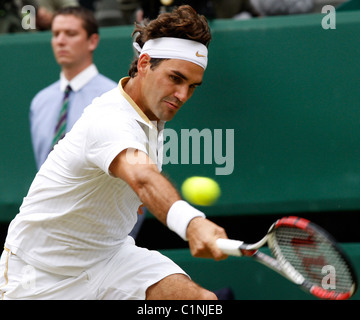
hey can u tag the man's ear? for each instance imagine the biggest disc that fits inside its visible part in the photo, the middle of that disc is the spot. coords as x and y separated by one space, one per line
143 63
93 41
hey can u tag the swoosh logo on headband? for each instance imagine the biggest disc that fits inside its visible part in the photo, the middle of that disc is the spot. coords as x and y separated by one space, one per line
199 55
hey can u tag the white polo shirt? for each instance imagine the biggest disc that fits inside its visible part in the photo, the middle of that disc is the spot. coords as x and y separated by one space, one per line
76 213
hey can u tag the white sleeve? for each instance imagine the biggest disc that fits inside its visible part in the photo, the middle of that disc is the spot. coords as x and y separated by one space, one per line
108 136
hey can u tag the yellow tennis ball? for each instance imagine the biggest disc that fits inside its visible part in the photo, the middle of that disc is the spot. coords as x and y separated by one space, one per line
201 191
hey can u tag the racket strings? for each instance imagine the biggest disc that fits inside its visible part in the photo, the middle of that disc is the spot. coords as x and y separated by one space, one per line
314 257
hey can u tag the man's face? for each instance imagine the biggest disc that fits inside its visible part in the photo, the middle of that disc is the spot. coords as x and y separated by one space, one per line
70 41
167 87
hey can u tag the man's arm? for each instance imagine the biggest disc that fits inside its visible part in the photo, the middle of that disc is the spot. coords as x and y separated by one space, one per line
159 195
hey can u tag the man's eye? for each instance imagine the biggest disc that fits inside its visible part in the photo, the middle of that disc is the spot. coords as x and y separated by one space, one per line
176 79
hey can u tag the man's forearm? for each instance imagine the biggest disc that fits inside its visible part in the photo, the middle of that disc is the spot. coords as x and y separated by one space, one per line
157 194
153 189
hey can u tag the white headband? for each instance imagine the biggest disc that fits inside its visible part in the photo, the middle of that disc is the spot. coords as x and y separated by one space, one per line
175 48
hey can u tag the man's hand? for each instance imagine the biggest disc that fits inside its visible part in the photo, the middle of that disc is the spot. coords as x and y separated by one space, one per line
202 235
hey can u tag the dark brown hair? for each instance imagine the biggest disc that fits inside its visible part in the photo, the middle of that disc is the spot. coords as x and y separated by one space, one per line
89 22
183 22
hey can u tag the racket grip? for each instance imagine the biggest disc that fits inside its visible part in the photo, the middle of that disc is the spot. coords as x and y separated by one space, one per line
230 247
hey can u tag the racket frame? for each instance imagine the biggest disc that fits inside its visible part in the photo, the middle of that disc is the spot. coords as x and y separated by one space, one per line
281 265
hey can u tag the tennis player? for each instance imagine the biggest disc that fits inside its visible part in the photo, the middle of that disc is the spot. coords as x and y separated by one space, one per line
70 239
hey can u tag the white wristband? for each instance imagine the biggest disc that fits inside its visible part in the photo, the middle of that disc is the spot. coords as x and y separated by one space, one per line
179 217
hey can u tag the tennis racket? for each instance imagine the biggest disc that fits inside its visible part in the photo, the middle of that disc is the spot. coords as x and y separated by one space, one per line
305 254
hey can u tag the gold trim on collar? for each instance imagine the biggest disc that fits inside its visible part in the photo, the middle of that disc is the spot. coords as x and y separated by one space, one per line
122 84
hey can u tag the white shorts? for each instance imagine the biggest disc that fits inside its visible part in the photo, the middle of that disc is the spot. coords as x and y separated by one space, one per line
125 276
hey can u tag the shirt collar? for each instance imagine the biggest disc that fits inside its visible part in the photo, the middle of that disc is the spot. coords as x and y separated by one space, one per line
159 125
79 80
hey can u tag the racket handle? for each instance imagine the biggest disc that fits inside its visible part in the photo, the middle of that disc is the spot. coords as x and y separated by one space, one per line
230 247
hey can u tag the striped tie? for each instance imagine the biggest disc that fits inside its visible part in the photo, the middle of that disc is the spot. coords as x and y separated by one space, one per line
60 128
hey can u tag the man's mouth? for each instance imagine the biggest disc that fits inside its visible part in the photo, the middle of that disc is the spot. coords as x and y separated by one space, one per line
172 105
62 52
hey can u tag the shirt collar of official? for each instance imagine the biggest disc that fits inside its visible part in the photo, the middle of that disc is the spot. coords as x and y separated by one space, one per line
159 125
79 80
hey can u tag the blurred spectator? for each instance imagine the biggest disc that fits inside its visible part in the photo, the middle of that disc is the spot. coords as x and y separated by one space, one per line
282 7
116 12
219 9
75 38
47 9
88 4
10 15
152 8
227 9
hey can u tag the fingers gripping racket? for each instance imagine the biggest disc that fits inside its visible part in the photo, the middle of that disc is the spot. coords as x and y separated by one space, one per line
305 254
